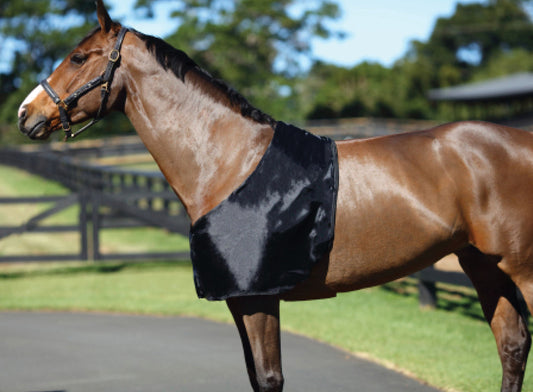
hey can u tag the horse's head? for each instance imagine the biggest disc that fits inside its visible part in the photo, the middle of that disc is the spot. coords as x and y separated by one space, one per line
69 95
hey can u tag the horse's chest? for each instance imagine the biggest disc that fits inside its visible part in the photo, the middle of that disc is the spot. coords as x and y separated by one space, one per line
266 236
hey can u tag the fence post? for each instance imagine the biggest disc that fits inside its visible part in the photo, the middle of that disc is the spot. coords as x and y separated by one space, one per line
427 292
83 221
149 199
96 222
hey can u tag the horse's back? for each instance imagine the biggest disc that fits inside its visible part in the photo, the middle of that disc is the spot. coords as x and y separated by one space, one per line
407 200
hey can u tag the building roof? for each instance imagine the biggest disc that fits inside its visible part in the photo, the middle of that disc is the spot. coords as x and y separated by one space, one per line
512 86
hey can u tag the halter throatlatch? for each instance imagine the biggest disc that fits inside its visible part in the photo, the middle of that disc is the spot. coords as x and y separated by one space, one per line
103 80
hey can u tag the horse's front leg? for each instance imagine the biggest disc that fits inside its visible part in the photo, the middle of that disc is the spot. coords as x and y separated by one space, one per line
257 319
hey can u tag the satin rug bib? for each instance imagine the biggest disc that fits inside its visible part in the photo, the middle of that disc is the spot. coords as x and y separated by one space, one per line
267 235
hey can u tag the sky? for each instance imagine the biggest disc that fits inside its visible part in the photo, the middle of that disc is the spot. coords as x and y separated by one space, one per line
377 30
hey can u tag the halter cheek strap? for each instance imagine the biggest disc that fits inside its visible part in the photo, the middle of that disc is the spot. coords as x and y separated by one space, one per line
103 80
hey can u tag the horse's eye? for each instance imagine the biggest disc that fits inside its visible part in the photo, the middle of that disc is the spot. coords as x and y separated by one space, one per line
77 59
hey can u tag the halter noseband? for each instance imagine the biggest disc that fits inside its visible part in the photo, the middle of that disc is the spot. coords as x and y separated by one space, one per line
103 80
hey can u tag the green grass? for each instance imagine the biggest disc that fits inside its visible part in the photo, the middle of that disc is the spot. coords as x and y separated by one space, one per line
149 288
15 181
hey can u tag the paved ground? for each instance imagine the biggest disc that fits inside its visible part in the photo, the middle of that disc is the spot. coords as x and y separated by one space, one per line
57 352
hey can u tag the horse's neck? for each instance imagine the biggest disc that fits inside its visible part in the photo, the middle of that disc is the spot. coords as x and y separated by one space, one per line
204 148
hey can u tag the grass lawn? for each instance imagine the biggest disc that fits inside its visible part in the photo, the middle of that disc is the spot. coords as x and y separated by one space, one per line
451 348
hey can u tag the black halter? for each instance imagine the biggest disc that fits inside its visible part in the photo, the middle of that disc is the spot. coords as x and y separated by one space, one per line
103 80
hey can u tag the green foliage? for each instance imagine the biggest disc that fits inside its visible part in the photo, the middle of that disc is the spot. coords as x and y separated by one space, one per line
505 63
45 31
368 89
486 29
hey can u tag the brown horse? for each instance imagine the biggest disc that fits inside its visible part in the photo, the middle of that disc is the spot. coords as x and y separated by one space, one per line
404 201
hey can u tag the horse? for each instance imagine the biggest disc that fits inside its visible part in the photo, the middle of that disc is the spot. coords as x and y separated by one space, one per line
404 201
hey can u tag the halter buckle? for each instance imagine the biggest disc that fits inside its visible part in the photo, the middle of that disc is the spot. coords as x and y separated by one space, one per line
114 55
62 104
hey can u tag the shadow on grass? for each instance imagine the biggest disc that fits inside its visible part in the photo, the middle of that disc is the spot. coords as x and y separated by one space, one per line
450 298
90 268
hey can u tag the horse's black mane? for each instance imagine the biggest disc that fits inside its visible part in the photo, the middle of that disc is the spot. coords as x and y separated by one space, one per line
179 63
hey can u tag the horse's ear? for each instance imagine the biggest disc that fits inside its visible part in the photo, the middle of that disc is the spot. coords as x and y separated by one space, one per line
103 16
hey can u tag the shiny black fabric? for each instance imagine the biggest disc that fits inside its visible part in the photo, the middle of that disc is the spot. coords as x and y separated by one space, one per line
266 236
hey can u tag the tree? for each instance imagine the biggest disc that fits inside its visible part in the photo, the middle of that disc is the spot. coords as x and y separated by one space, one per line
476 33
366 89
505 63
256 46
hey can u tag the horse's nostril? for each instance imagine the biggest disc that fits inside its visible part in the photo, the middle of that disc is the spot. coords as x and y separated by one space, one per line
22 113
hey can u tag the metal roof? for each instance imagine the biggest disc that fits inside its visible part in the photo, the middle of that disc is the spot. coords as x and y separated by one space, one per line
512 86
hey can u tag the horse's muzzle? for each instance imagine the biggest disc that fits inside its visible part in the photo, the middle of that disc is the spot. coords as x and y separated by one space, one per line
34 127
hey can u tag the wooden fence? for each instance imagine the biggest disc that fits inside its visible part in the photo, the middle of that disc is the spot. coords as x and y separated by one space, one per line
33 225
108 197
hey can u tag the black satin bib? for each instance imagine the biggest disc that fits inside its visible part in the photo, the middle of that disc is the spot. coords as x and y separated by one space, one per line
266 236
